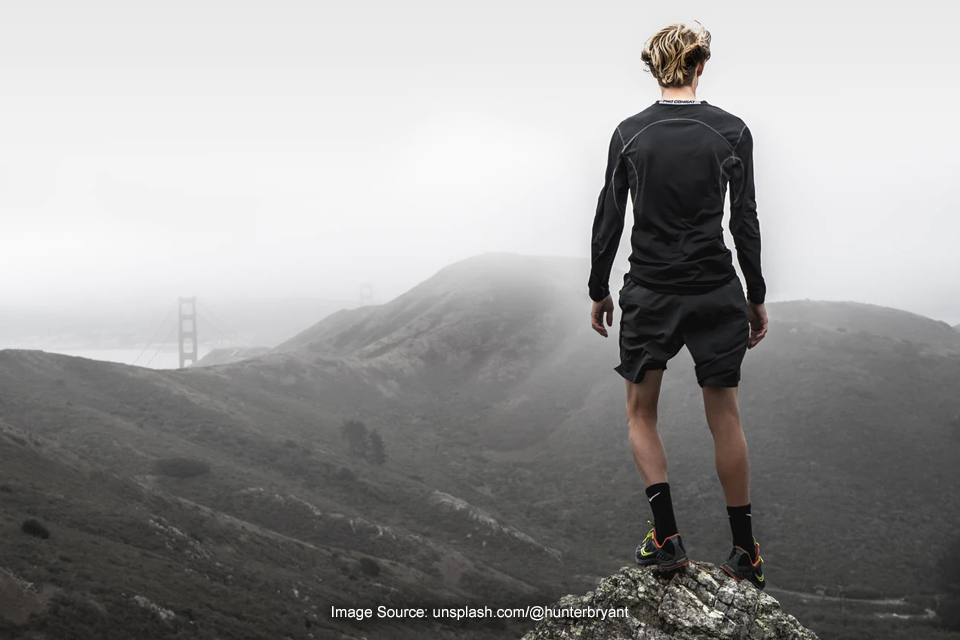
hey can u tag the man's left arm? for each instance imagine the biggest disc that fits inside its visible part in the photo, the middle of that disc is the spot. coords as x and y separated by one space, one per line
744 224
745 228
608 221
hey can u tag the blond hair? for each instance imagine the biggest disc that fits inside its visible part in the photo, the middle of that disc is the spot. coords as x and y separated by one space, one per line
672 54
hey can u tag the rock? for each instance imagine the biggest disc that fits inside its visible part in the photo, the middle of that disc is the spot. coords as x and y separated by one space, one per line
699 601
165 614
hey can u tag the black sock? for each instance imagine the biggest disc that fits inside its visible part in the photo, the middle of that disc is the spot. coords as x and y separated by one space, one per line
741 526
658 495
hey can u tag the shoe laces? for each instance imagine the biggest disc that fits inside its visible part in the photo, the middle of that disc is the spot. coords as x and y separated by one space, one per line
759 557
650 534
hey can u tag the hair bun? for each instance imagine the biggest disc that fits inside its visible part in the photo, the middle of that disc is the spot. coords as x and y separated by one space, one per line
672 54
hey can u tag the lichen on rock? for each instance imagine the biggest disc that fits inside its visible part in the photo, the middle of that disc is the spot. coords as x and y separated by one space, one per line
699 601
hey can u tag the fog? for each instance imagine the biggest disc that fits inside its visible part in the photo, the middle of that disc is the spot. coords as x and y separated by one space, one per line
250 149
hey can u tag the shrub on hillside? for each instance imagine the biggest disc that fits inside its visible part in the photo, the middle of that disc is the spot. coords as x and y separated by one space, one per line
949 608
377 451
355 433
363 442
345 474
370 567
865 591
35 528
949 611
181 467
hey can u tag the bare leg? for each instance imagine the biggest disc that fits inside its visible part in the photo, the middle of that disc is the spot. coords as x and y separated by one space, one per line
733 466
645 443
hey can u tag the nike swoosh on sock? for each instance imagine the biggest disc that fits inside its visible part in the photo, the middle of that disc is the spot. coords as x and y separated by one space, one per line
654 496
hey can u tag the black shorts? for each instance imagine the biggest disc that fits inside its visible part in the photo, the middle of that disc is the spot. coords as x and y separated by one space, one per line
654 327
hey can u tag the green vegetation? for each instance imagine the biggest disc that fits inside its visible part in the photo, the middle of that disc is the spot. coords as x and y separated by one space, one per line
369 567
35 528
181 467
376 450
949 606
363 442
356 435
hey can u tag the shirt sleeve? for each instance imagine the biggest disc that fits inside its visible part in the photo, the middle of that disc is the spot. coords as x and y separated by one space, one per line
744 225
608 221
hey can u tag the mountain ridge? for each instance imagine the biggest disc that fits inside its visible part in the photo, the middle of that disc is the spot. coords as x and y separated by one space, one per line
484 273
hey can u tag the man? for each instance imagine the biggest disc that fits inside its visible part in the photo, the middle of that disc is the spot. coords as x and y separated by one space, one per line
676 158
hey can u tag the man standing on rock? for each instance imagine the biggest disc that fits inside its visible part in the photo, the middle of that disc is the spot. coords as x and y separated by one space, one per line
676 158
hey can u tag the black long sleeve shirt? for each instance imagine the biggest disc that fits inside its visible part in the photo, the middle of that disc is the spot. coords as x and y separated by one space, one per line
677 159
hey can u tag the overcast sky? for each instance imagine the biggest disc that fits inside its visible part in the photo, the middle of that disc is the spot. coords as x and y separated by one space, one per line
156 149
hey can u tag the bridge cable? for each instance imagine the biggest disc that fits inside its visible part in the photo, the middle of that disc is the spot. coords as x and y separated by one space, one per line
219 331
235 334
156 333
162 345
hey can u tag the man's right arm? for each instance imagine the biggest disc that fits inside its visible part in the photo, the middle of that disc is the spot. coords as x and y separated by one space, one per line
744 225
608 220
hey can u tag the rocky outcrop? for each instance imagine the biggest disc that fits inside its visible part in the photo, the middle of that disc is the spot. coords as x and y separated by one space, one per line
699 601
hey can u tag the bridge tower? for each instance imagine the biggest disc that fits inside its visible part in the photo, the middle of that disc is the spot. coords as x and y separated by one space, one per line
188 330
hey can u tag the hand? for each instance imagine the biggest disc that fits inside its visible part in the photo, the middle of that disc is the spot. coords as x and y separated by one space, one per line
605 306
757 314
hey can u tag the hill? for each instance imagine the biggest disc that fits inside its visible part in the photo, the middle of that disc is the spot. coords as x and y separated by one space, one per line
343 531
508 473
124 556
490 320
229 356
935 335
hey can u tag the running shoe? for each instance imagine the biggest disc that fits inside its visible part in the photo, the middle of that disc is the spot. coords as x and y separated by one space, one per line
741 567
668 555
